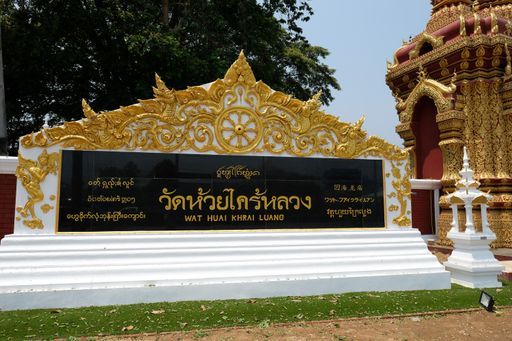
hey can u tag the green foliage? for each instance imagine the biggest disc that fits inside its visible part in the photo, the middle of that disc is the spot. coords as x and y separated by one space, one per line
160 317
57 52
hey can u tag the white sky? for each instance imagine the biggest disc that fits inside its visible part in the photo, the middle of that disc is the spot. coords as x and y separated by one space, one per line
361 35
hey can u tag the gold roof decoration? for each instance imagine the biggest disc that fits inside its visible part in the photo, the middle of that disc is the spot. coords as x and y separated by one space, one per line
233 115
422 39
441 95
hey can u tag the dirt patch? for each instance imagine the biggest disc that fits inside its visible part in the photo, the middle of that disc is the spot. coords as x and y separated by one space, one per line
474 325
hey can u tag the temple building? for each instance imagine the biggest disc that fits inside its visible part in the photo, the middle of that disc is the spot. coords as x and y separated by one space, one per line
453 87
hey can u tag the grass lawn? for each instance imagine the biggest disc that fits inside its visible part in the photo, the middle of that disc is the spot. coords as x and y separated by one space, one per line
159 317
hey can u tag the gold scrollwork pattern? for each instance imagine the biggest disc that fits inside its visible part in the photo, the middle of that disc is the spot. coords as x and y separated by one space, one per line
487 132
464 57
444 14
233 115
31 173
501 222
402 192
452 158
445 219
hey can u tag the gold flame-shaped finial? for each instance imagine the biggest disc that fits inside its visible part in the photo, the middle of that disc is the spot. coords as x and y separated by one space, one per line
86 108
240 71
422 73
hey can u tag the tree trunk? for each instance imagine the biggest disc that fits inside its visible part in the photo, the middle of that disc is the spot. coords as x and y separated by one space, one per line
3 115
165 12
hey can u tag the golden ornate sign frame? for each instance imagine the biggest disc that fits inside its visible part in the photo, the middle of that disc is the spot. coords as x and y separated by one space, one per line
233 115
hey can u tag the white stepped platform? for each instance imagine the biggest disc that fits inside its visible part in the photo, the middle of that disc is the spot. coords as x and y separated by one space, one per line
472 264
54 271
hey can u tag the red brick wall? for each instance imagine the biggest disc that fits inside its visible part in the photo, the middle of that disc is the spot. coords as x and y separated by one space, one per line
7 203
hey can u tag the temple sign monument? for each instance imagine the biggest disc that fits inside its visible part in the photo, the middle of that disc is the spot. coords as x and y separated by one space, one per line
225 190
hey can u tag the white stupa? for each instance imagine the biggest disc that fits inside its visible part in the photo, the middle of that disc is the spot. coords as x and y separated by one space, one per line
472 264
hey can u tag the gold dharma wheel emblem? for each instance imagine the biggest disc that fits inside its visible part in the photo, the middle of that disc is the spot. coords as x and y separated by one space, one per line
238 130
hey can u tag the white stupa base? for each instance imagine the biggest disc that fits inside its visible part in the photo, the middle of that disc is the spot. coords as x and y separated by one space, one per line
48 271
472 264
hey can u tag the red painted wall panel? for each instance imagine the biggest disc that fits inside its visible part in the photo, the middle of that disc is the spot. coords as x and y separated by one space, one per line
429 158
422 211
429 162
7 203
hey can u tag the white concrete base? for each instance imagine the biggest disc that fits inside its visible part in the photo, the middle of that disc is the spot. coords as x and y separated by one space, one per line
472 264
49 271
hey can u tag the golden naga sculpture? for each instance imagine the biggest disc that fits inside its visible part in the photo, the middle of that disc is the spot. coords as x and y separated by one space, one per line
31 174
233 115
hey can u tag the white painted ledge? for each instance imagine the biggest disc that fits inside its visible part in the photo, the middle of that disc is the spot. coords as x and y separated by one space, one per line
48 271
8 164
426 184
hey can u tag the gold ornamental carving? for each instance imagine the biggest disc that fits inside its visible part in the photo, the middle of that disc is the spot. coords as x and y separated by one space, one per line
438 92
31 173
455 46
480 54
425 38
487 131
464 56
450 116
444 14
234 115
452 159
462 26
496 56
238 128
402 191
443 64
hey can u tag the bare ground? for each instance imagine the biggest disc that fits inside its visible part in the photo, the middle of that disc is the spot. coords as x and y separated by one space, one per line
467 325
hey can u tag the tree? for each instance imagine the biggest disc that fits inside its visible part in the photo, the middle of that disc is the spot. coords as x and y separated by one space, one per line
107 51
3 117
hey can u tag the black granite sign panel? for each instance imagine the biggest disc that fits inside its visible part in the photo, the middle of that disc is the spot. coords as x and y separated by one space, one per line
128 191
